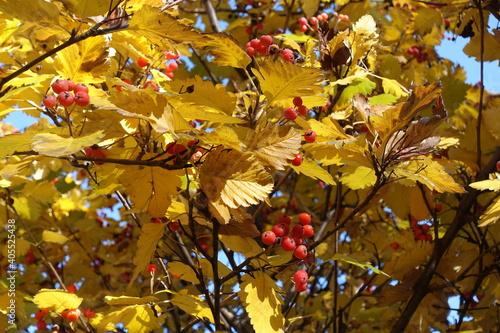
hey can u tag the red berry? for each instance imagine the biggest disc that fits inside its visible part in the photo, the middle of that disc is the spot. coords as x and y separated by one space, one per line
302 109
281 230
71 288
290 114
151 268
308 231
71 84
260 26
498 166
438 208
80 87
285 219
313 20
301 287
59 86
97 153
298 241
297 160
142 62
173 66
268 237
297 231
82 98
174 226
302 21
288 56
310 136
425 227
304 218
256 44
41 325
288 244
300 277
66 98
49 101
177 149
300 252
297 101
273 49
169 74
303 28
152 84
171 55
89 313
309 258
41 313
64 314
250 51
395 245
73 315
447 22
155 220
266 40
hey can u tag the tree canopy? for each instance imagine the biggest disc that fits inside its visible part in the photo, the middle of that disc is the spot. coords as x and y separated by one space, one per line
248 166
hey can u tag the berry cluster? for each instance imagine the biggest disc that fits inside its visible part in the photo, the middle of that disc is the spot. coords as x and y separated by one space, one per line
418 53
291 239
172 63
65 97
312 23
70 315
95 151
420 231
300 279
264 46
298 109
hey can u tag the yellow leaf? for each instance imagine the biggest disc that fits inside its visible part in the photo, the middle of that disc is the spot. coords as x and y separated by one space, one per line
281 82
354 261
491 215
393 87
22 246
222 136
328 127
492 184
15 142
151 188
135 318
127 300
56 300
139 103
156 26
426 19
192 305
151 233
358 177
31 11
245 228
205 95
313 170
184 271
234 178
84 61
274 145
428 172
225 50
86 8
244 245
57 145
366 26
53 237
262 302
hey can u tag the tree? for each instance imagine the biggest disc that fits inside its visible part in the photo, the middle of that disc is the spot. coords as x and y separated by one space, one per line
248 166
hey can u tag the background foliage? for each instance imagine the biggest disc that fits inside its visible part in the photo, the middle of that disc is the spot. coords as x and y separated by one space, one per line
182 163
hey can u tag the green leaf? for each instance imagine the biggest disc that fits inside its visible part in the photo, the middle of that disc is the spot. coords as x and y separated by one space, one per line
362 86
364 265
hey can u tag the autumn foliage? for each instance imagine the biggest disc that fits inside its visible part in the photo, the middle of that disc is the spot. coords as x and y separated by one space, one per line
248 166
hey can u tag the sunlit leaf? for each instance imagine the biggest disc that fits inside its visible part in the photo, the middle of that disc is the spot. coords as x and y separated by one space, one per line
127 300
151 233
491 215
313 170
135 318
192 305
244 245
358 177
281 82
183 271
225 50
262 302
355 262
53 237
56 300
57 145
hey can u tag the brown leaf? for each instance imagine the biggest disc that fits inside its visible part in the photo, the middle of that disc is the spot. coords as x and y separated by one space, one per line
400 292
244 228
